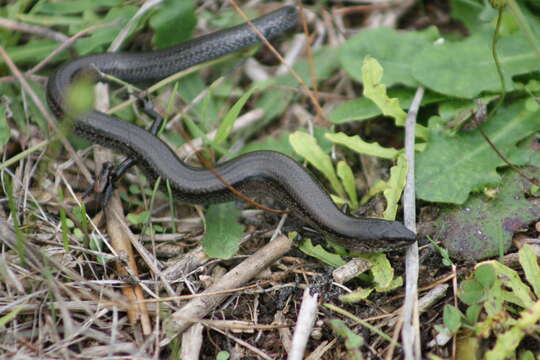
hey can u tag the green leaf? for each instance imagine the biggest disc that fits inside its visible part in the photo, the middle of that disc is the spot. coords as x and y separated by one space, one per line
381 269
352 340
452 166
471 292
485 275
138 219
529 263
223 231
306 146
173 23
483 227
75 6
508 342
395 186
475 14
223 355
454 68
226 125
372 73
357 295
510 278
394 50
4 128
472 313
320 253
362 108
355 143
347 178
452 318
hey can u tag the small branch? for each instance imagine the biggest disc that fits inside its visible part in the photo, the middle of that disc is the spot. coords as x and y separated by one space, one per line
304 324
410 334
33 29
199 307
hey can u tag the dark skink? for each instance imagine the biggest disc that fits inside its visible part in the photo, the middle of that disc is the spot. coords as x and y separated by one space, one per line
254 173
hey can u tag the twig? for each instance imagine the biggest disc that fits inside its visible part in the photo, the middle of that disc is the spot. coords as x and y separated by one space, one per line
410 334
33 29
202 305
304 324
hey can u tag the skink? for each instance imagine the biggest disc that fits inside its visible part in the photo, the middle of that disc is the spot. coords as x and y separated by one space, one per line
265 172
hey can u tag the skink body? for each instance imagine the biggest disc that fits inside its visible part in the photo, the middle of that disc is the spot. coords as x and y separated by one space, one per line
254 173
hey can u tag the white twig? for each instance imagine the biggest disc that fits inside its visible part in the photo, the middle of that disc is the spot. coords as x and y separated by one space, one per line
410 333
304 325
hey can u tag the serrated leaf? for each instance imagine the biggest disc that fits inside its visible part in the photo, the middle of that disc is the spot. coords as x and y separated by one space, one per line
355 143
454 68
375 90
395 186
529 262
394 50
306 146
510 278
452 166
223 231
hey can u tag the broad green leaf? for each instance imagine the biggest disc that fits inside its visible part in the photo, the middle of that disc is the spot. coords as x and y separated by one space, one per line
227 124
347 178
355 143
395 186
474 14
529 263
394 50
374 90
452 318
471 291
306 146
454 68
485 275
318 252
482 227
223 231
173 23
452 166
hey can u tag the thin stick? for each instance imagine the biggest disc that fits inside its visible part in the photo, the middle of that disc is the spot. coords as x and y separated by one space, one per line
410 334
